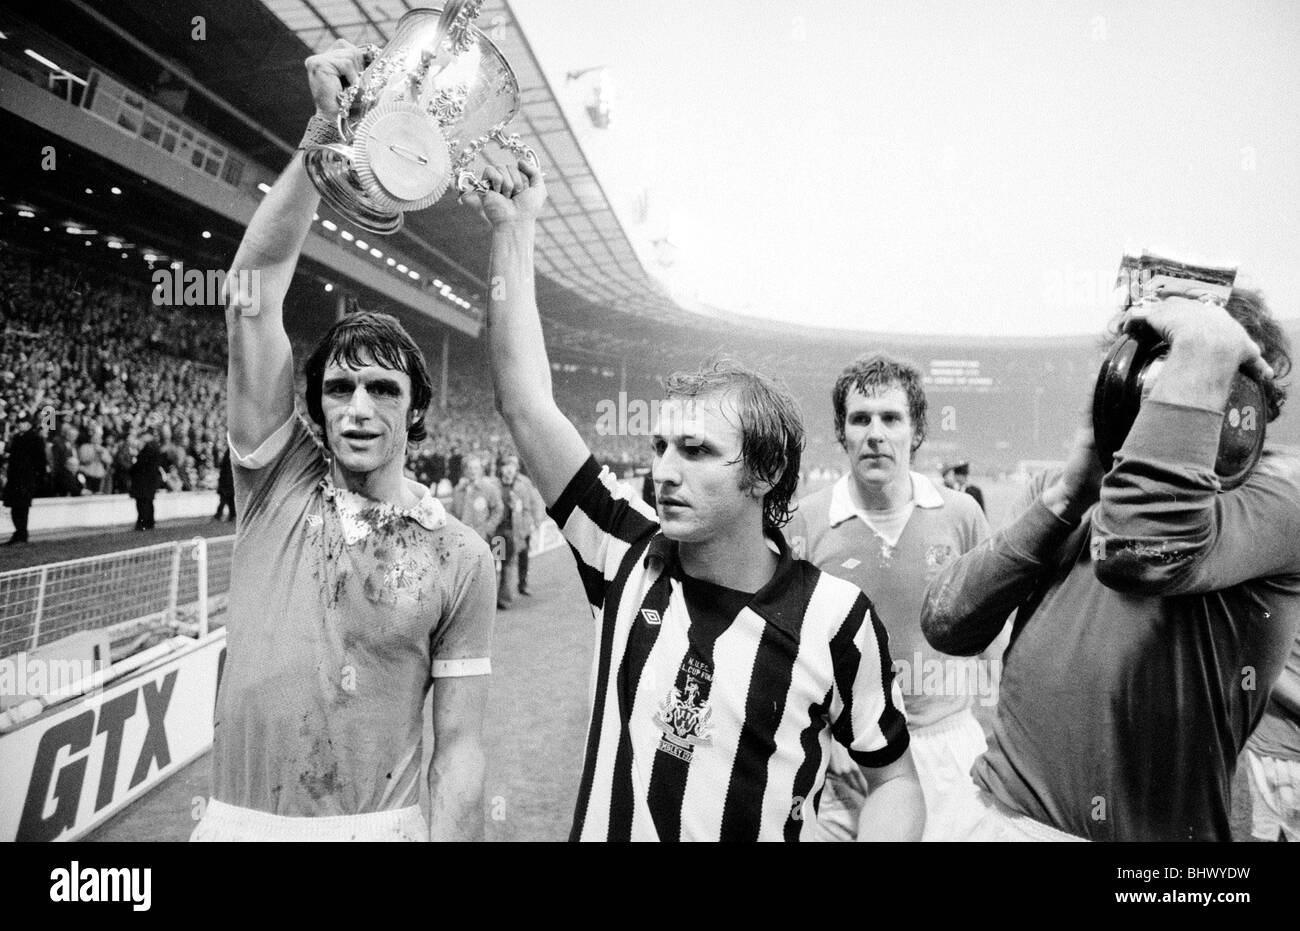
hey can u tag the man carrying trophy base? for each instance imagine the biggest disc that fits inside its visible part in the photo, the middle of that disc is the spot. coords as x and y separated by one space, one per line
1154 608
352 592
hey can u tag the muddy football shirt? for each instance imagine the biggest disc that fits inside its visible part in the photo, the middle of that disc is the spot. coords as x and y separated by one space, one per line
342 611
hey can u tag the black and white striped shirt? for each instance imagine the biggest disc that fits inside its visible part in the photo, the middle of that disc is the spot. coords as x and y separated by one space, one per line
698 733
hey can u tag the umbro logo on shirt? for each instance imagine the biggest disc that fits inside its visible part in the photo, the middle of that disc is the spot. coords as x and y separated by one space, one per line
651 616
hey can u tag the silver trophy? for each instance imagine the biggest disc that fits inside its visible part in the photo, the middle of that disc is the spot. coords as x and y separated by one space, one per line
423 109
1135 360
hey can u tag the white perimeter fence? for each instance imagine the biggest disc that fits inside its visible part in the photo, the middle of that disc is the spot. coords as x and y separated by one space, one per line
180 584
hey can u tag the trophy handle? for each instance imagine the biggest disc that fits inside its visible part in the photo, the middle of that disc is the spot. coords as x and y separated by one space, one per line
348 95
465 179
455 26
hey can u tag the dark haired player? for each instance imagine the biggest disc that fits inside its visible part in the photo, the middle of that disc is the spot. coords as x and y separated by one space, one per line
1153 610
352 591
889 530
724 667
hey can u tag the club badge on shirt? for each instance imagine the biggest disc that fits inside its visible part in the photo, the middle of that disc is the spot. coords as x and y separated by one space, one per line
939 555
684 718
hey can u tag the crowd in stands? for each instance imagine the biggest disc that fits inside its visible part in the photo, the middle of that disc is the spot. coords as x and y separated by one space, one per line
89 357
471 426
95 363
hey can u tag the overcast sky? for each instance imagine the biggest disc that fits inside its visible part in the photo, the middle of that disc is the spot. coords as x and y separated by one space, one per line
941 166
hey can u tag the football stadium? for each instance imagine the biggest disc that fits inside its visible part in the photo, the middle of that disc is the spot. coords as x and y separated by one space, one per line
135 159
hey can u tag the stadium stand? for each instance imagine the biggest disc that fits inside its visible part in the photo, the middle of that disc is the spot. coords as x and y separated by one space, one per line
84 350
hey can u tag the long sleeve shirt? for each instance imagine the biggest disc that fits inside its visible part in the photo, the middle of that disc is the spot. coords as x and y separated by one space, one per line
1146 638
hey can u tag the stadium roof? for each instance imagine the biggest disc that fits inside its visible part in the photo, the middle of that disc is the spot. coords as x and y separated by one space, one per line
252 58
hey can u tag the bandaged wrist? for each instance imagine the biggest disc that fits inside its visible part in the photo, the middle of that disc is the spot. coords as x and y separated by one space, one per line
320 131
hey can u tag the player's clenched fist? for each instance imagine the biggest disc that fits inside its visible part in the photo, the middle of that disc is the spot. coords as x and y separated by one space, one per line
516 194
331 71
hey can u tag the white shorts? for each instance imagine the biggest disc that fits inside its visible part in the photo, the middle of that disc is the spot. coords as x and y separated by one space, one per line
943 752
1000 824
222 822
1274 796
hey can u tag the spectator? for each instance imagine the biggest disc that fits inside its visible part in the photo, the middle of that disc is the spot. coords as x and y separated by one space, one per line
123 458
26 474
524 512
189 474
477 504
455 466
63 456
93 459
438 464
171 478
957 477
146 478
173 453
226 489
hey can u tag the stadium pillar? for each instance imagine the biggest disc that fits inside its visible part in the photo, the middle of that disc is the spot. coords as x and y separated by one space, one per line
622 375
340 306
442 379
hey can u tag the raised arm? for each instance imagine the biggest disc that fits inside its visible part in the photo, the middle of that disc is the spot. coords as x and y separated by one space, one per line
966 606
1164 527
547 441
260 377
